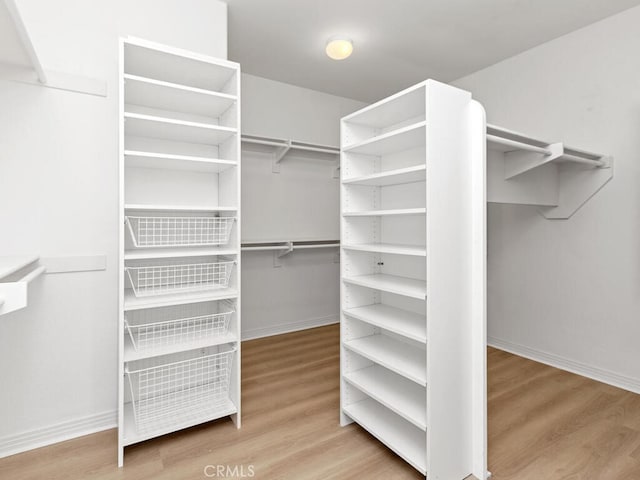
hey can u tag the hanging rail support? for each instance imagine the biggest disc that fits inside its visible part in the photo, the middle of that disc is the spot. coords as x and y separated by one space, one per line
278 155
521 161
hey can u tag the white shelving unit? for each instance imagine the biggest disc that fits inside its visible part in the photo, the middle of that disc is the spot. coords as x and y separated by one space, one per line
413 247
179 323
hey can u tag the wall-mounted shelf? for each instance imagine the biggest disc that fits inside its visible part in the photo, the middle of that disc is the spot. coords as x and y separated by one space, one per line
557 178
19 60
16 273
278 149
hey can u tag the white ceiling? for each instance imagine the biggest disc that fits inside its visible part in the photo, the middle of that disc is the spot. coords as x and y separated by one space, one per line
396 42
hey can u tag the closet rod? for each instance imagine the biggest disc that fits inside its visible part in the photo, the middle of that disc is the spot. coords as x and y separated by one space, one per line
586 161
290 144
289 245
518 145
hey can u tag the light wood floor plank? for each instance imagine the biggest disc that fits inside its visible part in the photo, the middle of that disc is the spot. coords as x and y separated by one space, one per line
543 424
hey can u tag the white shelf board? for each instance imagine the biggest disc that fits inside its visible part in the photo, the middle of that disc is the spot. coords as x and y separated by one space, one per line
394 392
174 97
384 213
10 265
131 302
177 252
398 176
152 126
408 324
206 415
166 161
406 440
130 353
400 357
408 287
388 248
174 65
177 208
407 104
404 138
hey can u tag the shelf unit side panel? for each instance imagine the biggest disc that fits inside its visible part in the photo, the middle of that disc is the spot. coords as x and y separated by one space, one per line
121 250
235 151
451 252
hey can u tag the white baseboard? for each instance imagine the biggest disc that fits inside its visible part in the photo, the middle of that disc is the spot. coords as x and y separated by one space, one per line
289 327
563 363
41 437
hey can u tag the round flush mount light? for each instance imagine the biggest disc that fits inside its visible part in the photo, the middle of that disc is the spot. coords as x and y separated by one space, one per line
339 48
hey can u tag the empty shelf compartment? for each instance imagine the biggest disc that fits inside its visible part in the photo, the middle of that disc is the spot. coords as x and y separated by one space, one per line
153 126
398 394
149 92
408 441
399 357
157 328
408 287
403 322
399 176
150 231
404 138
149 280
182 388
412 250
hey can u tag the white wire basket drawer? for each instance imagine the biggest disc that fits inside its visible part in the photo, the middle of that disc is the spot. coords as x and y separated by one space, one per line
182 392
161 327
178 278
179 231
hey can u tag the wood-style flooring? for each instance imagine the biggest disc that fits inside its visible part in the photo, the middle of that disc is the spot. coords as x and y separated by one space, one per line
544 424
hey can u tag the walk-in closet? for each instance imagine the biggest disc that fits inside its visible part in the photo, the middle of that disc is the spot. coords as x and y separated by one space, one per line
291 240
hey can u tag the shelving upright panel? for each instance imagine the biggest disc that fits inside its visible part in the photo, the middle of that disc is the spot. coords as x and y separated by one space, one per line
413 316
179 279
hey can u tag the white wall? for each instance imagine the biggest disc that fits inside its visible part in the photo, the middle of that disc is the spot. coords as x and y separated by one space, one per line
59 196
568 292
299 203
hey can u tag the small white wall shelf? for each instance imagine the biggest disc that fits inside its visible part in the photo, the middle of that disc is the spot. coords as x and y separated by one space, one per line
413 278
528 171
16 273
179 323
278 149
19 60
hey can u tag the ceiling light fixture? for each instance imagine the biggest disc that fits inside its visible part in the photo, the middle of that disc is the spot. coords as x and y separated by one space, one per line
339 48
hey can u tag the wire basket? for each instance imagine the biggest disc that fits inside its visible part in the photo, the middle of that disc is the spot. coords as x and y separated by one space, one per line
182 392
179 231
164 279
157 328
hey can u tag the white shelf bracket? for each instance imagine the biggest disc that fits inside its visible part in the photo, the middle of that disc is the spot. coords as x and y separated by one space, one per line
522 161
278 254
278 155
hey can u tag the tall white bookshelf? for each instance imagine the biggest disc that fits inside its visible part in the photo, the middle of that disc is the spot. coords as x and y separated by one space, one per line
413 289
179 321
